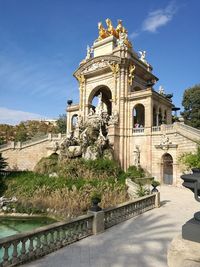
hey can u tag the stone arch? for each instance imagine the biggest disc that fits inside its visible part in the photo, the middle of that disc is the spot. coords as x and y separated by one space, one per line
74 121
138 116
167 168
106 97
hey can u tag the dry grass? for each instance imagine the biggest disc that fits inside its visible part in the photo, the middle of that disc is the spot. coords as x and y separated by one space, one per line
67 203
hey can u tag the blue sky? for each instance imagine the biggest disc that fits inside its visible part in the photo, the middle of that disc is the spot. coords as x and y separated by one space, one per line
43 41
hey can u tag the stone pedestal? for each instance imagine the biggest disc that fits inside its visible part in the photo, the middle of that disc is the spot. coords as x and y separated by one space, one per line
183 253
98 222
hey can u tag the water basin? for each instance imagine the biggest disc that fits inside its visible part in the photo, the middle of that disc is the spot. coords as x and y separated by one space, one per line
15 225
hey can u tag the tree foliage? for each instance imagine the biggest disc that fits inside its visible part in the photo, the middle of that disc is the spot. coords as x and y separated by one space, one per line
25 130
191 104
191 160
62 123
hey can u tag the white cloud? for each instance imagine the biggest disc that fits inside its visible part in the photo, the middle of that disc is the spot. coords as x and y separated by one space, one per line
158 18
11 116
133 35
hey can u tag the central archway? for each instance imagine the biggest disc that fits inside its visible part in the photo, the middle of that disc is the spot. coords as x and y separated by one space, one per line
167 162
106 97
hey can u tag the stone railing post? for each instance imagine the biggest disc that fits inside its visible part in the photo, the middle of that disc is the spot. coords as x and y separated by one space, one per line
49 136
18 145
12 144
157 200
59 136
98 222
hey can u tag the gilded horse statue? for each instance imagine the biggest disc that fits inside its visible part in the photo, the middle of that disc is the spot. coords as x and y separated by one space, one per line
111 29
120 28
103 33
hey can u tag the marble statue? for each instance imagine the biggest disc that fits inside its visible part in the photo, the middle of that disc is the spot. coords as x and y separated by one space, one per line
137 156
89 51
143 56
161 90
114 118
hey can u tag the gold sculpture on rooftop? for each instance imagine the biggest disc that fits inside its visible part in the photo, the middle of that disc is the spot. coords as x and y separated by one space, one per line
119 32
103 33
131 74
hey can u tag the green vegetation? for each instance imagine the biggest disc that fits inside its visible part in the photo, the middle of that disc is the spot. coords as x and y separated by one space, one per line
3 163
155 183
29 129
191 160
191 104
68 193
65 188
142 191
62 123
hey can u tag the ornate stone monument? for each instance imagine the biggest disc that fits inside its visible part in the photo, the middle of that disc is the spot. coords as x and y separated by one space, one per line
122 81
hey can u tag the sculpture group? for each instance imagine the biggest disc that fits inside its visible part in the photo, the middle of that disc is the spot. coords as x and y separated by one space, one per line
119 32
89 139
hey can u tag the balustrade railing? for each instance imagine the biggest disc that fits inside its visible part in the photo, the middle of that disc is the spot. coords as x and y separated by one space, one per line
35 139
188 128
156 129
17 249
138 130
20 248
169 127
128 210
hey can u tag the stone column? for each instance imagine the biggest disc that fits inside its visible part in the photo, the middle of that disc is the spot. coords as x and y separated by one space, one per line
157 118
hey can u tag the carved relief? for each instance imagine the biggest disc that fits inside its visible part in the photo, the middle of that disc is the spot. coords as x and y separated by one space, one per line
165 143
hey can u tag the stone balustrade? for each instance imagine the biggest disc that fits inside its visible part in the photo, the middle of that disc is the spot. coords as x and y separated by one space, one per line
34 141
138 130
156 129
128 210
17 249
27 246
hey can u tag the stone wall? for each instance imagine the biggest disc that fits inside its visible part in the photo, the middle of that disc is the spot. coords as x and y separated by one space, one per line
24 156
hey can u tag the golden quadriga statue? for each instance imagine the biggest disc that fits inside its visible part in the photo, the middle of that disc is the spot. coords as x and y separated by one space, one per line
119 32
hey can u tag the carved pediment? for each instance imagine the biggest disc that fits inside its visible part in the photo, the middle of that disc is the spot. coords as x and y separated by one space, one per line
96 64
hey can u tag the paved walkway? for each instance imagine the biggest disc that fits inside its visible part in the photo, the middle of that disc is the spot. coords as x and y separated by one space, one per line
138 242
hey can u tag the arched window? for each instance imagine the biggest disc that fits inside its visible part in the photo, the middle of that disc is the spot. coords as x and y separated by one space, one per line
74 121
139 116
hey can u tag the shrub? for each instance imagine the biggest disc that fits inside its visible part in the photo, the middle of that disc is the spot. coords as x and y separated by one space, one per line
142 191
134 172
47 165
191 160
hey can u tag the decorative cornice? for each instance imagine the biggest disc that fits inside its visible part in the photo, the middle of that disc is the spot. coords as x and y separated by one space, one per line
96 63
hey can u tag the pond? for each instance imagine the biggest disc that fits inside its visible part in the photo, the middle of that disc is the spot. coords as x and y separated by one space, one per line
15 225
